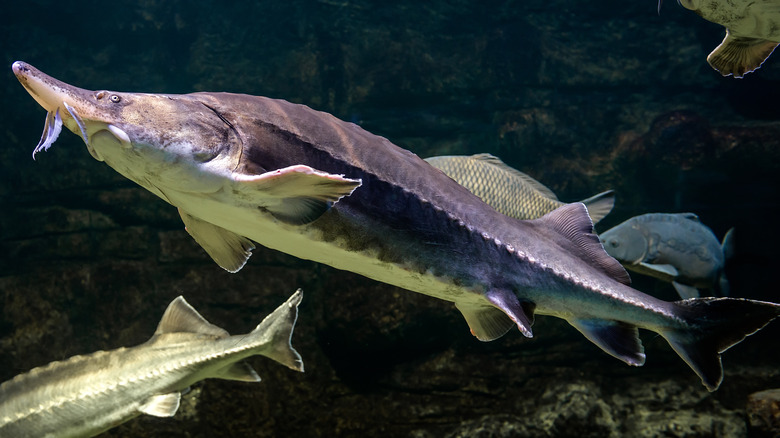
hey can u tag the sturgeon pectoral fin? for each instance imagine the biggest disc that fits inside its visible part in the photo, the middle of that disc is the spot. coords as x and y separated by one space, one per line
240 371
618 339
685 291
51 130
296 194
227 248
740 55
163 405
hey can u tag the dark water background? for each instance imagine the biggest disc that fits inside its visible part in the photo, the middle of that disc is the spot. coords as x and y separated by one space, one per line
582 96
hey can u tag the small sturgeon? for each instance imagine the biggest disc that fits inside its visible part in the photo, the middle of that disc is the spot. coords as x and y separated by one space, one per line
300 181
86 395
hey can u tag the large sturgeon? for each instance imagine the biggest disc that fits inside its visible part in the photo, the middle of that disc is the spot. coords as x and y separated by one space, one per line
86 395
300 181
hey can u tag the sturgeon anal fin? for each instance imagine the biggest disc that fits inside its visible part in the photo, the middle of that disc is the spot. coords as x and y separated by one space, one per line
240 371
296 194
618 339
573 223
162 405
740 55
685 291
522 313
228 249
180 317
486 322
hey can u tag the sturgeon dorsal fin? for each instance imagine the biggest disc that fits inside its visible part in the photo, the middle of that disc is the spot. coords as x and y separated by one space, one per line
495 161
180 317
572 222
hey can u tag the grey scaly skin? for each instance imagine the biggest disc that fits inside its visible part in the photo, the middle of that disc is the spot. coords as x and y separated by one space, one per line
86 395
243 168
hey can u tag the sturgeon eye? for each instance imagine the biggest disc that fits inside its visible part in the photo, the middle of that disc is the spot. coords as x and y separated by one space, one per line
114 98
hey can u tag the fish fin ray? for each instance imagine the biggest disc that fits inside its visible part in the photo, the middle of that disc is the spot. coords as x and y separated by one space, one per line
296 194
616 338
277 329
485 322
740 55
228 249
713 326
161 405
572 222
180 317
685 291
239 371
600 205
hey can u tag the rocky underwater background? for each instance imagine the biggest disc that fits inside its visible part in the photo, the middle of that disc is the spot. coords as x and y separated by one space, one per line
583 97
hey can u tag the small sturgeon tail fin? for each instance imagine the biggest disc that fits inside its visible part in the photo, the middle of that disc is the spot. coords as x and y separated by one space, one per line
713 326
277 329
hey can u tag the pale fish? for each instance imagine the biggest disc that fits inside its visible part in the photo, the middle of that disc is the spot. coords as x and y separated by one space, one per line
245 168
676 248
752 32
86 395
510 191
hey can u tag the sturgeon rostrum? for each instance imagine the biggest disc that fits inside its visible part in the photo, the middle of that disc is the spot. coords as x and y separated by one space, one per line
243 168
88 394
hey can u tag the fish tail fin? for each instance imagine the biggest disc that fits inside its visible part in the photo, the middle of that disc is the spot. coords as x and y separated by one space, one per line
600 205
276 332
727 246
712 326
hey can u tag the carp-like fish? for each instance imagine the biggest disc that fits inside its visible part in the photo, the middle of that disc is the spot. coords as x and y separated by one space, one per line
510 191
245 168
752 32
86 395
676 248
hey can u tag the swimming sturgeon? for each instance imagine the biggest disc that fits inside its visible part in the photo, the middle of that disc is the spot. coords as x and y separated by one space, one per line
86 395
303 182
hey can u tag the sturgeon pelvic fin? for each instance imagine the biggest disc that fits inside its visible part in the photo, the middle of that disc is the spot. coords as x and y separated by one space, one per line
227 248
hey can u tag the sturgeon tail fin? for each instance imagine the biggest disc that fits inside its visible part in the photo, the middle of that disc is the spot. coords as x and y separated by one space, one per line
276 331
713 325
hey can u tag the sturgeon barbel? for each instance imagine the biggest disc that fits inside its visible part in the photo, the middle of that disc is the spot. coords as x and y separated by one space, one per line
243 168
86 395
